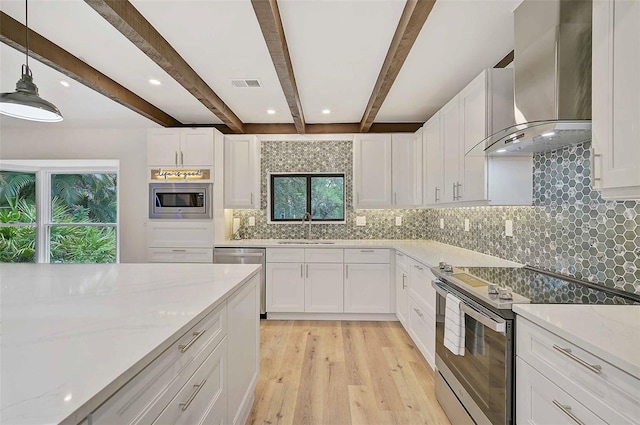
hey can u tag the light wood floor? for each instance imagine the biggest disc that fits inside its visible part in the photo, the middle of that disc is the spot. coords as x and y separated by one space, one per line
342 373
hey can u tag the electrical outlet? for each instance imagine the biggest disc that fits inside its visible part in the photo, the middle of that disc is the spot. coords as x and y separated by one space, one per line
398 221
361 220
442 223
508 228
466 224
252 221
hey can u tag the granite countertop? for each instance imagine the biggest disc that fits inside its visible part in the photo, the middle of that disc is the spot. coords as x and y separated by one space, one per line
72 334
427 252
611 332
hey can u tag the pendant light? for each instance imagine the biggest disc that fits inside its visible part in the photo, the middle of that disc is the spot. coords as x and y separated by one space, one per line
25 103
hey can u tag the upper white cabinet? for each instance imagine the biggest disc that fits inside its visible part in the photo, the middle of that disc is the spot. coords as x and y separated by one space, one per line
180 147
616 98
241 171
387 170
432 161
450 125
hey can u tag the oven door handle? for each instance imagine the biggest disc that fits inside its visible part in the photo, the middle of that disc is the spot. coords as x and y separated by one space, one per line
495 325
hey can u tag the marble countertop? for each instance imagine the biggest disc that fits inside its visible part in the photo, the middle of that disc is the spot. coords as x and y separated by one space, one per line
72 334
611 332
427 252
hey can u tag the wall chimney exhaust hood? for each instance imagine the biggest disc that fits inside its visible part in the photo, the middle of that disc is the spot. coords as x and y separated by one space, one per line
552 61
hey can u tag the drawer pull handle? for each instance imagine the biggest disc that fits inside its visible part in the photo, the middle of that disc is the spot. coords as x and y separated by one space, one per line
366 250
419 268
567 411
567 352
418 312
198 387
404 277
186 346
178 250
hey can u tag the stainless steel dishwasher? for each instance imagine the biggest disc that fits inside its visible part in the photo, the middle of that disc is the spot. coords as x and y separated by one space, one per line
246 256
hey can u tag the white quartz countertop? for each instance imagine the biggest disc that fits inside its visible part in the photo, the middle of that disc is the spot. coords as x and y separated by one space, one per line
611 332
72 334
427 252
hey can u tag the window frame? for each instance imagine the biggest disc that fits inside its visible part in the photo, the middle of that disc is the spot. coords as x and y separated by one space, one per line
308 176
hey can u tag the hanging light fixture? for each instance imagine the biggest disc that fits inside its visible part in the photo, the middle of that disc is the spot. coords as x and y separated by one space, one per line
25 103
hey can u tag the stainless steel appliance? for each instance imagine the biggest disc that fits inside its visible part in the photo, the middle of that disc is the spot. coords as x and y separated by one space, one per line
180 200
478 387
246 256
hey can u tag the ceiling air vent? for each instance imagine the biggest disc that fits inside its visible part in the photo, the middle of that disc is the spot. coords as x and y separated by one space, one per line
252 83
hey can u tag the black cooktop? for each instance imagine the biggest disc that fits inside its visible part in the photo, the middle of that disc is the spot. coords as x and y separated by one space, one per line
543 287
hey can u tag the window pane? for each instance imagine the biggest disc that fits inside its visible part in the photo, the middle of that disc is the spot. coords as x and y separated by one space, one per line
83 198
17 197
83 244
327 198
289 197
17 244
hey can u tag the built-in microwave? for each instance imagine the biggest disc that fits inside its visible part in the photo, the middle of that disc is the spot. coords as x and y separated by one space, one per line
180 200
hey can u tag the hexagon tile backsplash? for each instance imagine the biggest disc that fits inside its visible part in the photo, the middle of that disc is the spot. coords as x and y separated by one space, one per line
569 229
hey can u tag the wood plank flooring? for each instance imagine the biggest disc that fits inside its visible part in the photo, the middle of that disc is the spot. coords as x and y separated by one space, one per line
342 373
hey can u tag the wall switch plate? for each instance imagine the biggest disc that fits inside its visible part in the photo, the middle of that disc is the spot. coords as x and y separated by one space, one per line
508 228
252 221
466 224
361 220
398 221
442 223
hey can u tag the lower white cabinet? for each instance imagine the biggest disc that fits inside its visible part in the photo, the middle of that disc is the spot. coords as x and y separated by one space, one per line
422 329
323 288
180 255
285 287
179 241
367 288
402 289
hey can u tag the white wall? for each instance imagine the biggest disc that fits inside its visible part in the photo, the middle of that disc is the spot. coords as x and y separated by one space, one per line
127 145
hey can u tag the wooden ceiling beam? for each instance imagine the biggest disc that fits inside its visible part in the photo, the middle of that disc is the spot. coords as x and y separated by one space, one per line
505 60
12 33
270 22
409 127
126 19
413 18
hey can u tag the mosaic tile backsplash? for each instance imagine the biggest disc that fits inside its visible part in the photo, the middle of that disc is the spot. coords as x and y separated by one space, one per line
569 229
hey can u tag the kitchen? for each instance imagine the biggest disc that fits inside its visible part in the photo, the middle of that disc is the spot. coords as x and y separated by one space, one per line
556 220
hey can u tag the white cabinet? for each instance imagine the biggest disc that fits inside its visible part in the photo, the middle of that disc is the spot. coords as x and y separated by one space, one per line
241 171
323 288
388 170
450 125
432 161
402 288
616 98
422 310
285 287
180 147
180 255
368 287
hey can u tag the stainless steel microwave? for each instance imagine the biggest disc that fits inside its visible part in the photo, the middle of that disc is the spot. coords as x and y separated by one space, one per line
180 200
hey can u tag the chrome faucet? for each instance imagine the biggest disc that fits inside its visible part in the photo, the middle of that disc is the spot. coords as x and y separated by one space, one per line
306 216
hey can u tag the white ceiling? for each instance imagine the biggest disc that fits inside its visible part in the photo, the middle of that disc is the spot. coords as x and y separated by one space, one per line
337 48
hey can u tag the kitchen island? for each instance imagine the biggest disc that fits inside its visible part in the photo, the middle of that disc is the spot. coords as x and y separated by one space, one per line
76 336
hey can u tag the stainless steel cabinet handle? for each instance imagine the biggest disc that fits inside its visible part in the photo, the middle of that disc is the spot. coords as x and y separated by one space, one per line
458 191
404 277
301 265
418 312
436 194
347 270
367 250
567 411
251 202
186 346
178 250
593 164
181 158
176 159
567 352
307 270
197 388
399 255
418 267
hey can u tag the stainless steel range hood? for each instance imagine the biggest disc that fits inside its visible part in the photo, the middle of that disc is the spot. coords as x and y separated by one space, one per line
552 64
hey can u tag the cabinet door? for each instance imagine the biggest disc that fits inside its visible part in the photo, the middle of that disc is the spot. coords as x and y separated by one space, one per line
323 288
367 289
450 122
405 169
241 171
163 147
402 299
196 147
372 170
285 287
473 129
243 337
422 330
432 161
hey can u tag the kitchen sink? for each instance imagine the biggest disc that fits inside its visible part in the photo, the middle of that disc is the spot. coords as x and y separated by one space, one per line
306 243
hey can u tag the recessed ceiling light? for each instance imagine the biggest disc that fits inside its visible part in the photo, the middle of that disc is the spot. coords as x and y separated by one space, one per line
549 134
326 111
271 111
154 82
64 83
501 150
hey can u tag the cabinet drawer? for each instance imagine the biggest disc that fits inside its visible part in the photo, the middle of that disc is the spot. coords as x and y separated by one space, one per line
422 329
402 259
143 398
323 255
420 284
180 255
205 389
285 255
612 394
180 233
366 256
540 401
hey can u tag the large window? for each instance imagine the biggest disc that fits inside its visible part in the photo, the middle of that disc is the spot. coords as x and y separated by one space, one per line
61 214
293 195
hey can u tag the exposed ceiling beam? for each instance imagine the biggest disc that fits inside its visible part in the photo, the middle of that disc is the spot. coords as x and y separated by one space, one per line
410 127
126 19
413 17
12 33
270 22
505 60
